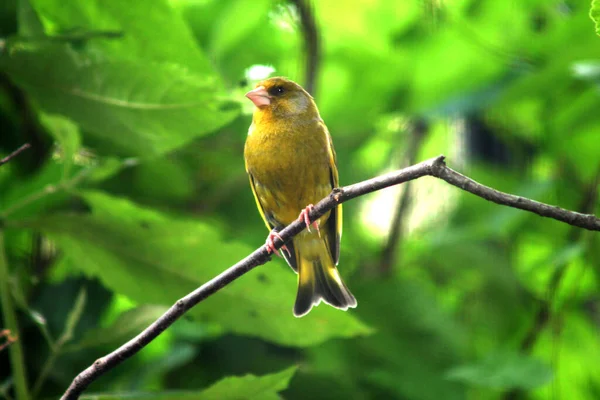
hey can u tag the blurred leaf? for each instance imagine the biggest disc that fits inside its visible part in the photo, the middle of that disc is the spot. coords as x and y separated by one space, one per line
248 387
585 147
595 14
153 258
138 108
127 325
107 167
67 135
165 179
237 19
504 371
28 21
577 372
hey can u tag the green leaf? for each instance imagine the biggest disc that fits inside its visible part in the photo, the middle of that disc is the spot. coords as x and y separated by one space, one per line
504 371
152 30
137 108
66 133
595 14
246 387
250 386
156 259
125 327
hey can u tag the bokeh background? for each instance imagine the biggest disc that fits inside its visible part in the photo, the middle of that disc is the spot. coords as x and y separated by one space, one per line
134 193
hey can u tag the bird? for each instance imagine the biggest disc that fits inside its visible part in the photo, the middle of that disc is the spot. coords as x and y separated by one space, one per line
291 164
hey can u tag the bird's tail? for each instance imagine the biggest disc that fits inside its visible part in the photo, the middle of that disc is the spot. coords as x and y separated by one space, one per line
318 277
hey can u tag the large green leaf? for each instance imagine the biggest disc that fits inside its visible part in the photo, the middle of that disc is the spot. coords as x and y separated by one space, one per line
152 258
152 30
248 387
142 108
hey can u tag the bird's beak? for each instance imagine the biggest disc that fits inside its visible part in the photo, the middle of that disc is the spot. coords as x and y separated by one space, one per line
259 96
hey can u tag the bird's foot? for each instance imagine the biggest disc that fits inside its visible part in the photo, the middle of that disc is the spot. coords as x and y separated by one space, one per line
270 243
304 217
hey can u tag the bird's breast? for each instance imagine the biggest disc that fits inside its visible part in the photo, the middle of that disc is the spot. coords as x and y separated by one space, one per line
290 168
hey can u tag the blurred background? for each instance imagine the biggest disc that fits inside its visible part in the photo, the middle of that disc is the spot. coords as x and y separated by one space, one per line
133 193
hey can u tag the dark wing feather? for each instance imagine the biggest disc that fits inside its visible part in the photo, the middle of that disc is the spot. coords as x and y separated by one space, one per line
272 223
334 223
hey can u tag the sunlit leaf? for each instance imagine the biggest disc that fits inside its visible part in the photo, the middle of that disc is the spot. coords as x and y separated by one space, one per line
595 14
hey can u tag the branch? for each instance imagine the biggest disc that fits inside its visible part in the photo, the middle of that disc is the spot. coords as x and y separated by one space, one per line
311 43
14 153
434 167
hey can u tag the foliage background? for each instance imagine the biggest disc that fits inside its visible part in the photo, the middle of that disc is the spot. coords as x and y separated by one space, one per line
134 193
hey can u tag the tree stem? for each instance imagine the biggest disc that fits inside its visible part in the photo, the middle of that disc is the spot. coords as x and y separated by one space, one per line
10 323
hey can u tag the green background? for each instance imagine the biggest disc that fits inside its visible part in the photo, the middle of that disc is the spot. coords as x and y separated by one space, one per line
134 193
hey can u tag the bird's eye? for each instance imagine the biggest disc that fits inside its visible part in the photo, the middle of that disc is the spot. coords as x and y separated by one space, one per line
276 90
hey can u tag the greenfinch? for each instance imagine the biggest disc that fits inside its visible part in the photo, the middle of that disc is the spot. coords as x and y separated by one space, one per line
291 164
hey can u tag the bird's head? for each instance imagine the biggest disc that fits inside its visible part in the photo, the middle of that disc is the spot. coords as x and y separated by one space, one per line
281 97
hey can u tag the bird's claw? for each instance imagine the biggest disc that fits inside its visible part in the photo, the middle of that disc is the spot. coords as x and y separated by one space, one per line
270 244
304 217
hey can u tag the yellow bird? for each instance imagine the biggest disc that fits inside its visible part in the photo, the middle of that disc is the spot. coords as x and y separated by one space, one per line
291 164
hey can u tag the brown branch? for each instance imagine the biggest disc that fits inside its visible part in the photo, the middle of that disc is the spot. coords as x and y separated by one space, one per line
14 153
312 44
434 167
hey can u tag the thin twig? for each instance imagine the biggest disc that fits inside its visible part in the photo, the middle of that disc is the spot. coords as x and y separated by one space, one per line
434 167
312 44
14 153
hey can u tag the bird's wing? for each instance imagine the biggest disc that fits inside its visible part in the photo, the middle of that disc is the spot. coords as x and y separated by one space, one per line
272 223
334 223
